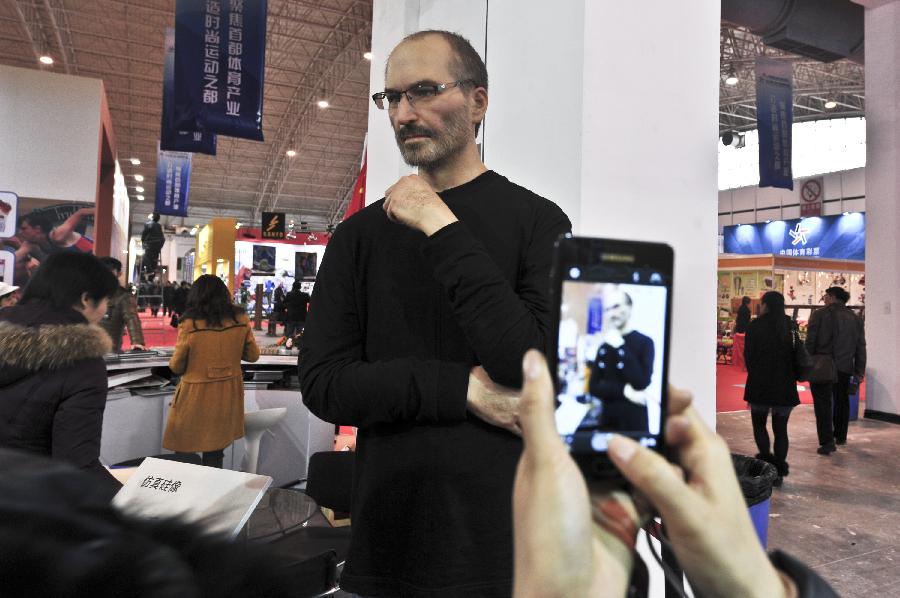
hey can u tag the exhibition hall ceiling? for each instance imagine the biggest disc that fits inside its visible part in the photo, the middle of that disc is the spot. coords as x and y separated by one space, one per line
314 52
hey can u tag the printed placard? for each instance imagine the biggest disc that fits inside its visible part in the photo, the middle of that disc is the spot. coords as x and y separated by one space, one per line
219 499
9 208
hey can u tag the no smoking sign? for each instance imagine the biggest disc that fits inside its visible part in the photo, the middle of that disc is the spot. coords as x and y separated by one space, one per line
811 193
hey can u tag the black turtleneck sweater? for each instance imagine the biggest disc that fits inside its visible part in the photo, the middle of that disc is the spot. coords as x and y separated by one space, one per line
396 322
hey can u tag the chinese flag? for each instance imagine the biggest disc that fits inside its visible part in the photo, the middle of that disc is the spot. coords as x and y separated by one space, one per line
358 199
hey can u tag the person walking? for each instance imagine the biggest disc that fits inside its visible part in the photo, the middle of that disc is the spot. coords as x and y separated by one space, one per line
296 305
168 292
836 332
771 379
122 312
214 335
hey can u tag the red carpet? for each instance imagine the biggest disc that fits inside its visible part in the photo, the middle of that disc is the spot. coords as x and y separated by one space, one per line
730 381
157 332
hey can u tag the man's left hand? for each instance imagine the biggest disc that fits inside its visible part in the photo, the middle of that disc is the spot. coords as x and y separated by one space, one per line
411 201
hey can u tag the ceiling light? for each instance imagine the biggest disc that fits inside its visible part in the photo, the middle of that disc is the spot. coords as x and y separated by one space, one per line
323 103
367 56
830 104
135 162
768 221
139 189
194 230
237 225
139 178
291 153
149 216
846 213
140 198
45 59
732 78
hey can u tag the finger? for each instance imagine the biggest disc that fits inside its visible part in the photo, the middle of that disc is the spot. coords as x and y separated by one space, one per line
536 406
679 400
652 475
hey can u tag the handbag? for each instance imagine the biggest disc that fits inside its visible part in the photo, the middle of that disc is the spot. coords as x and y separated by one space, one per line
803 362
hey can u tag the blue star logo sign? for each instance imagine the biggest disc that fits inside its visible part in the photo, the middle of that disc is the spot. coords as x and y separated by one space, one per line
799 234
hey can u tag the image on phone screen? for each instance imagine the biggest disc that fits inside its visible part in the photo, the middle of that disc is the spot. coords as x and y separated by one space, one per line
610 361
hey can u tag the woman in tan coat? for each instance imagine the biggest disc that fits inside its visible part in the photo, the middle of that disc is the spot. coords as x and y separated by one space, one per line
214 335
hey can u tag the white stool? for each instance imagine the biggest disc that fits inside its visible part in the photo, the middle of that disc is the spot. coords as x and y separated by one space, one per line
255 424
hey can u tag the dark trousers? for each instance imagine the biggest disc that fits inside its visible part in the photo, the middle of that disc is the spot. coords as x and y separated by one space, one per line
211 458
832 405
780 415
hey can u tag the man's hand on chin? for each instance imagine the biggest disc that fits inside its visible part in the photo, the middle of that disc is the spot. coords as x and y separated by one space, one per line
411 201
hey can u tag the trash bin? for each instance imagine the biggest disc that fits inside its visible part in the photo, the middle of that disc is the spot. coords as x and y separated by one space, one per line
756 478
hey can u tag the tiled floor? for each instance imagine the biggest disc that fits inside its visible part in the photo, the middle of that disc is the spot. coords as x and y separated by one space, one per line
841 513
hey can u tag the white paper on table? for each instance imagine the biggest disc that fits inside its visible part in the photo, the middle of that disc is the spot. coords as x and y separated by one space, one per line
220 500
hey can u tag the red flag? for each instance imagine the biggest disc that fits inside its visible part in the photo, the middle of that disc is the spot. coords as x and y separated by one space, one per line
358 199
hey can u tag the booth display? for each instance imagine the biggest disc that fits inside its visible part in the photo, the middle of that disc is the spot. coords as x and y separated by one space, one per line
215 250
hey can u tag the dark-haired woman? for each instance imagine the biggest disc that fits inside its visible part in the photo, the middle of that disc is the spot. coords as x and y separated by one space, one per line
214 335
52 375
771 383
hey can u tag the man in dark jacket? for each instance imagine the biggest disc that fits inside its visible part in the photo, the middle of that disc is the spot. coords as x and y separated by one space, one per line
424 305
168 293
152 240
296 304
743 316
122 312
838 332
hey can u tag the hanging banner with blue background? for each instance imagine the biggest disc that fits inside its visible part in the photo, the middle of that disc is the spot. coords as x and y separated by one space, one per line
173 181
169 137
220 49
774 118
833 237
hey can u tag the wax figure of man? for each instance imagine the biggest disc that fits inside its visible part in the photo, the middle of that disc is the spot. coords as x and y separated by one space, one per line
425 303
838 332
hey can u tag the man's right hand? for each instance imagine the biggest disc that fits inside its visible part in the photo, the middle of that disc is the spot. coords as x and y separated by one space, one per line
638 397
495 404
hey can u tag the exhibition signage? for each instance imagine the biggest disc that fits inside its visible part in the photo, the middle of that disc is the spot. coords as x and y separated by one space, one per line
219 65
272 225
9 208
169 137
774 116
812 191
220 500
832 237
173 181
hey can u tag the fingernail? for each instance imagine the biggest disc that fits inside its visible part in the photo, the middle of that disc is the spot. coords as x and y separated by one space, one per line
531 365
622 448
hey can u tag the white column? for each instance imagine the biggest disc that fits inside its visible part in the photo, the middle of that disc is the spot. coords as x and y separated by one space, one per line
882 209
594 106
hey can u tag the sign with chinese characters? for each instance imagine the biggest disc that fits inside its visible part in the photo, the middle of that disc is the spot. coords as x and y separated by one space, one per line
832 237
219 66
812 192
221 500
774 118
173 181
169 137
272 225
9 210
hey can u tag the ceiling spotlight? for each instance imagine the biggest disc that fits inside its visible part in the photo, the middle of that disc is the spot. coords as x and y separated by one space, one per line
768 221
291 153
846 213
237 225
140 198
733 139
139 189
367 56
135 162
139 178
194 230
46 59
323 103
732 78
830 104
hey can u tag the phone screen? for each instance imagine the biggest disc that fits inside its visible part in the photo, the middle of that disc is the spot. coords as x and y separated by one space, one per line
611 364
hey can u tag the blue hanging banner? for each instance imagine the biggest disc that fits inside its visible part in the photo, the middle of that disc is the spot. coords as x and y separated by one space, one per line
220 50
173 181
834 237
774 118
170 138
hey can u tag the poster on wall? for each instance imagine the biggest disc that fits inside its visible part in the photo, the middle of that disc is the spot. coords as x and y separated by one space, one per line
169 137
42 228
9 210
305 265
263 259
219 65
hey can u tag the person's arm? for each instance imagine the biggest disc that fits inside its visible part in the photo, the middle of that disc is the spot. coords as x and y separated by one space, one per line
78 420
178 361
61 233
501 321
251 349
859 360
749 346
337 382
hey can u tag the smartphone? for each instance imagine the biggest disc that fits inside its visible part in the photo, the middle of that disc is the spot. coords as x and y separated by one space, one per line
613 303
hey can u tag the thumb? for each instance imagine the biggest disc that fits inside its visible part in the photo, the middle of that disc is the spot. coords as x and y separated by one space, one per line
650 473
536 407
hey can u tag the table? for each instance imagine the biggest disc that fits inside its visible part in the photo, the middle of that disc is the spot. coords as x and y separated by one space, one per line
278 513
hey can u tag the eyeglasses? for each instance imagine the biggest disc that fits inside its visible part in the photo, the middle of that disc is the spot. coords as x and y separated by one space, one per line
421 93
